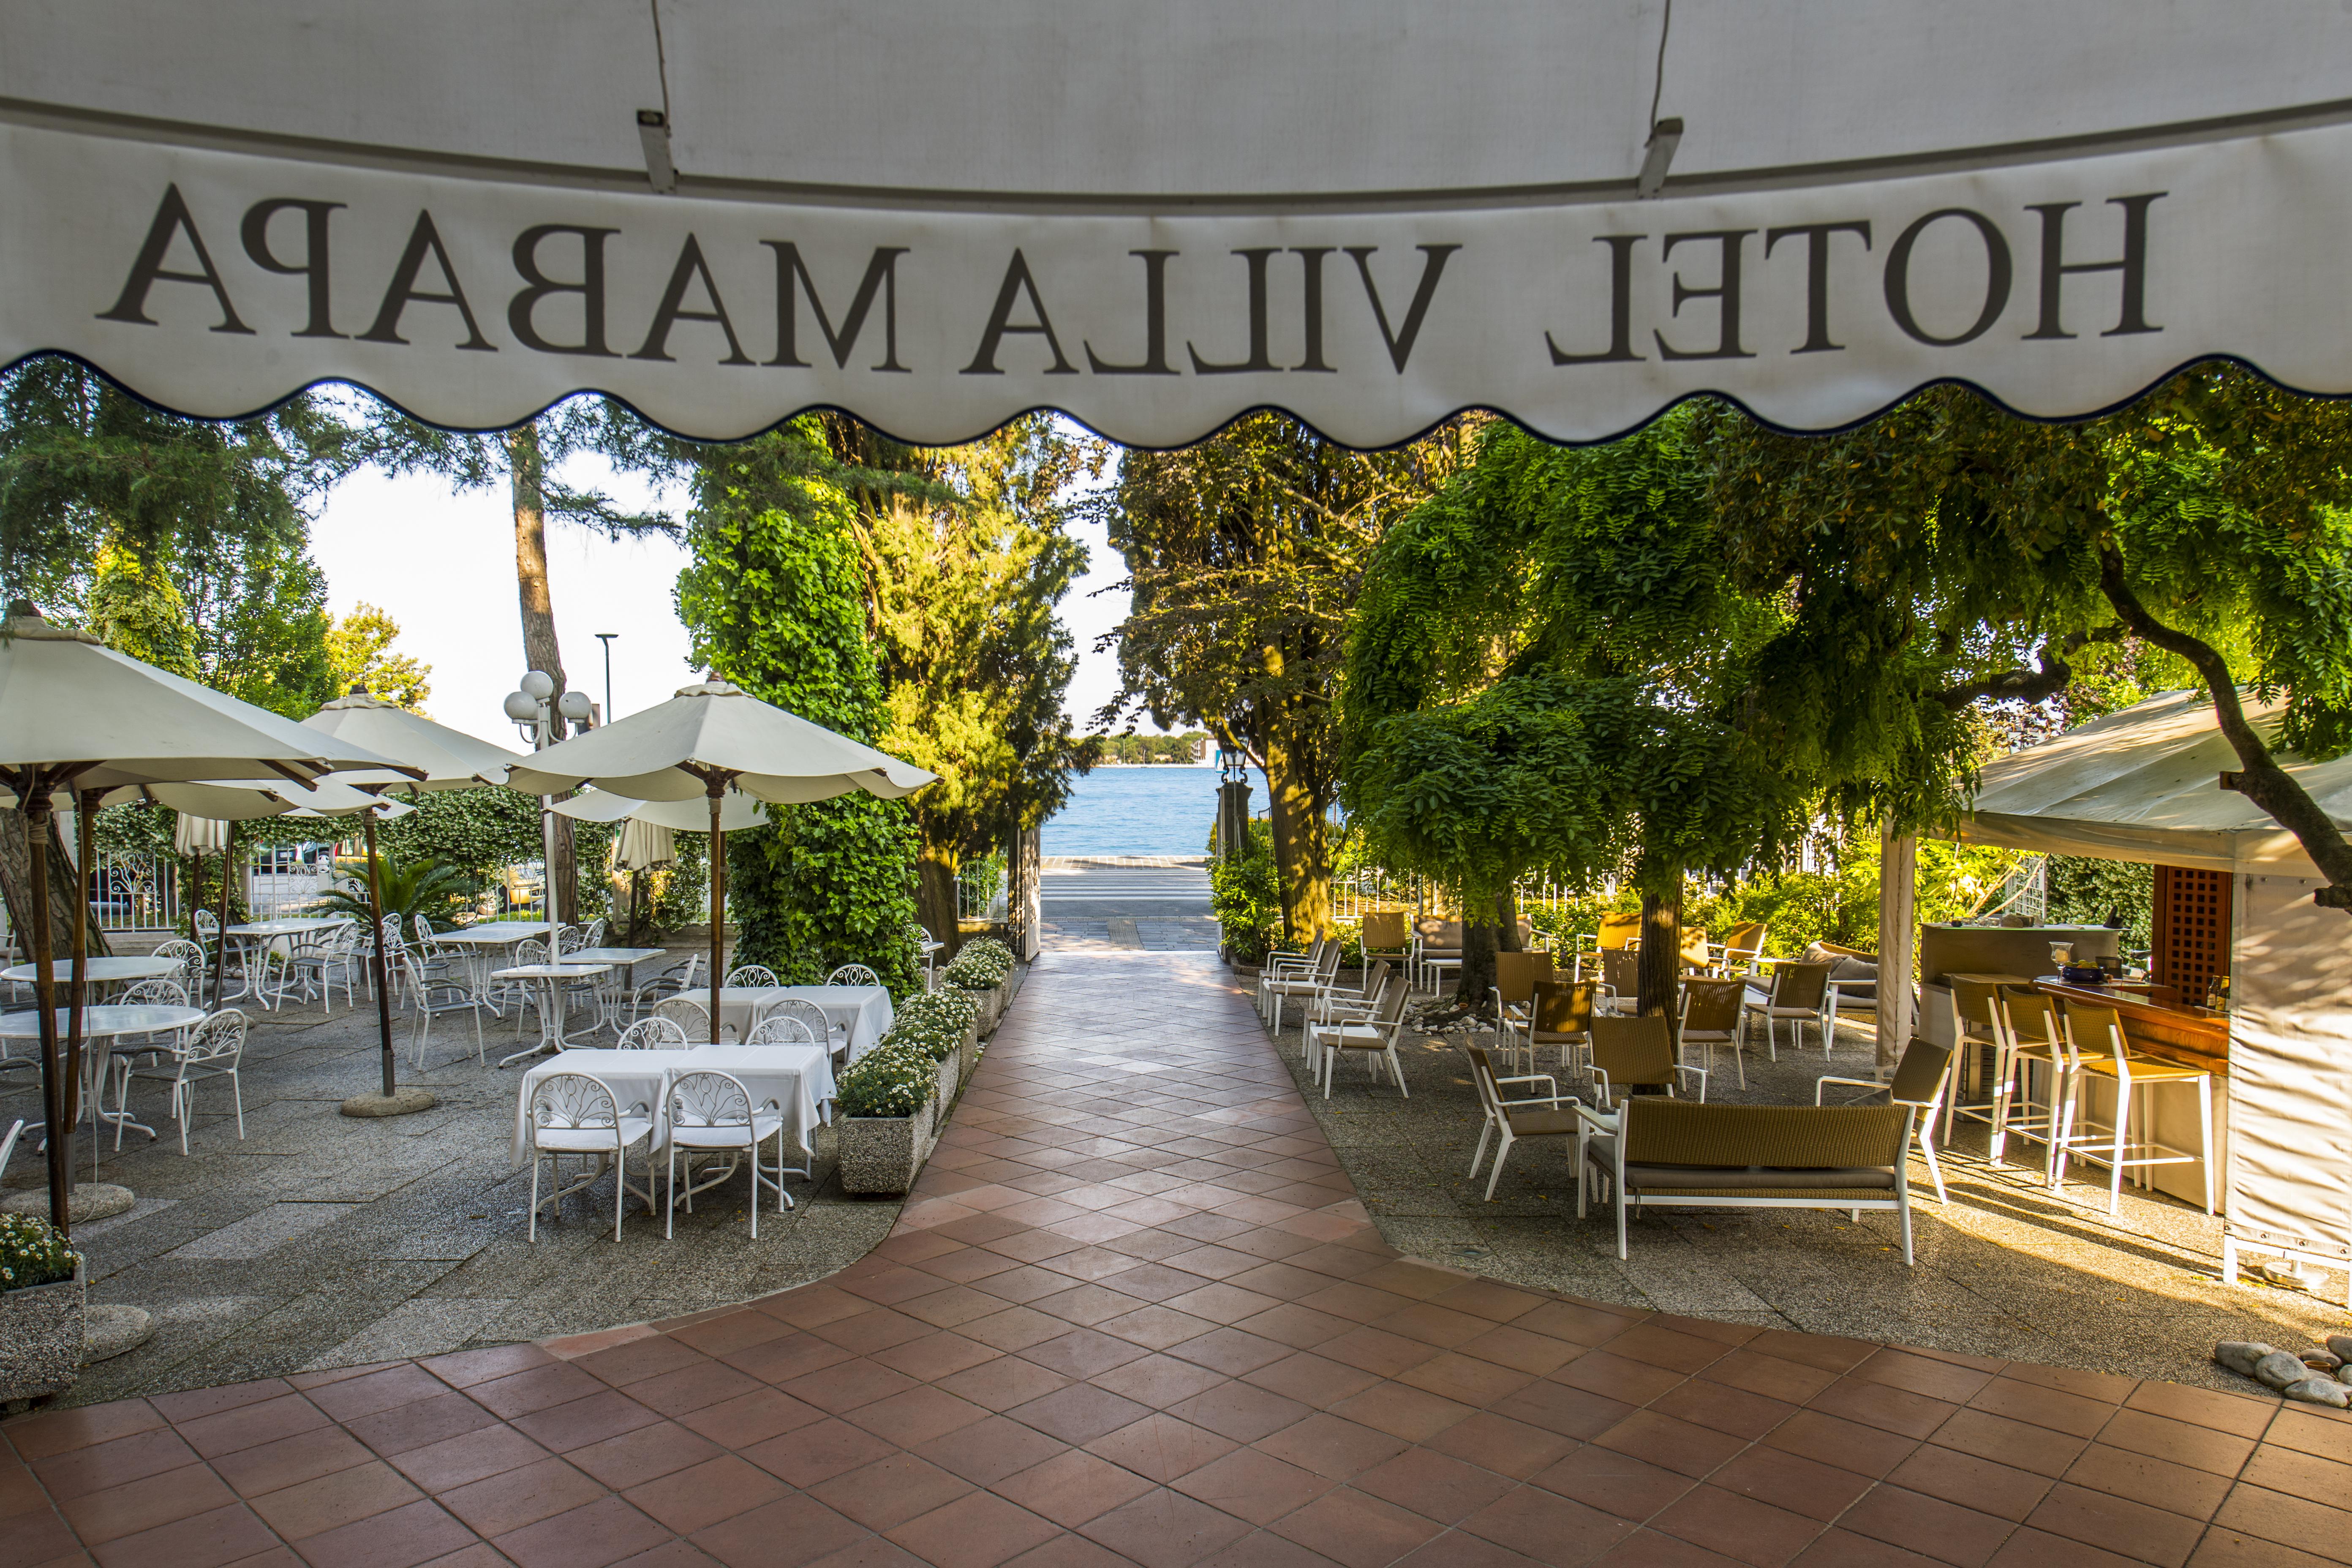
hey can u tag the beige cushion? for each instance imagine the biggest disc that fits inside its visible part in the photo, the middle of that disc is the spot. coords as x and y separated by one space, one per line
1602 1151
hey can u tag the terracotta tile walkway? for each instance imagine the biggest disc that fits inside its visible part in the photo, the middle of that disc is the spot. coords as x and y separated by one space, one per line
1134 1314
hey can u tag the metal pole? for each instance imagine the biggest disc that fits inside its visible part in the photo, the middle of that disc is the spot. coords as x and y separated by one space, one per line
606 638
220 940
85 836
53 1088
383 975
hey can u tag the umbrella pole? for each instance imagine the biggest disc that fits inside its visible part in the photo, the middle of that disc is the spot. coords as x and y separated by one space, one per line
220 940
78 995
383 980
35 795
717 907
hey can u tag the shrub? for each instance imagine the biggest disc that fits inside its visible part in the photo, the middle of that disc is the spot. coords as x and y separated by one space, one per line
982 965
1245 897
891 1080
33 1253
933 1024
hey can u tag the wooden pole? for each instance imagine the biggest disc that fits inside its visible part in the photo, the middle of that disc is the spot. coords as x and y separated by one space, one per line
36 796
1898 869
382 974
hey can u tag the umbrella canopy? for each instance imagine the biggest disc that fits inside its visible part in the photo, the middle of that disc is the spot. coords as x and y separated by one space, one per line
1153 216
2144 784
66 699
199 834
248 800
736 811
644 846
448 758
713 730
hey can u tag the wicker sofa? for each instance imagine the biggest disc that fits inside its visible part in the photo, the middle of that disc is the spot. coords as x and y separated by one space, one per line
1680 1154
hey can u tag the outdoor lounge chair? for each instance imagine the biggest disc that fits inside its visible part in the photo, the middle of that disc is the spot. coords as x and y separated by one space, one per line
1385 935
1560 1016
1800 992
1677 1155
1920 1081
1630 1054
1372 1037
1517 976
1538 1116
1711 1018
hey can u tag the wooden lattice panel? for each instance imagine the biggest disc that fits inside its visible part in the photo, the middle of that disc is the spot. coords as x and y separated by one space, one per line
2191 943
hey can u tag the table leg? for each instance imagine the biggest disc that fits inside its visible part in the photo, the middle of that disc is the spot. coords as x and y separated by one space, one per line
550 1024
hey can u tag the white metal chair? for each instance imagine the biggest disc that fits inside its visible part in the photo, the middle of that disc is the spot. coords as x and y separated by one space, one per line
752 975
810 1017
686 976
569 939
781 1029
1800 992
595 935
687 1015
853 974
1920 1081
711 1112
654 1035
212 1048
433 996
1550 1115
143 1051
571 1113
1375 1038
323 960
196 971
1285 965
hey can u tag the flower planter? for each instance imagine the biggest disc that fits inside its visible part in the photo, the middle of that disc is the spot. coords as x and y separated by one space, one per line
969 1051
41 1330
883 1153
950 1070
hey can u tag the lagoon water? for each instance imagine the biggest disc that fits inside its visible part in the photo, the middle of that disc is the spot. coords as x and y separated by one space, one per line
1162 809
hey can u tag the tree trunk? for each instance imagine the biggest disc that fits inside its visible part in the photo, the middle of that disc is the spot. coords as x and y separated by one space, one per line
16 883
539 646
1480 943
935 896
1662 951
1302 848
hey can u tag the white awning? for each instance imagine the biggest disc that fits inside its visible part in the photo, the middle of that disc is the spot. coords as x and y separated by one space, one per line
1369 213
2145 784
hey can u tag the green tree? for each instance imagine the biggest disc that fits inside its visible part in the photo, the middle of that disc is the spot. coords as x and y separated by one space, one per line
962 579
774 600
359 647
1244 556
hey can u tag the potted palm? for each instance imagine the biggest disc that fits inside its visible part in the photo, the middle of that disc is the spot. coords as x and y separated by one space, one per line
885 1101
430 888
42 1302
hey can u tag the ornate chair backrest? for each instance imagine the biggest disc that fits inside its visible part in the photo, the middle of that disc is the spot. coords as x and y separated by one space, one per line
572 1103
853 974
808 1014
424 930
1712 1006
709 1099
1801 986
190 957
221 1035
655 1033
687 1013
206 926
529 952
758 975
154 993
418 980
776 1030
570 939
1564 1006
595 937
1634 1050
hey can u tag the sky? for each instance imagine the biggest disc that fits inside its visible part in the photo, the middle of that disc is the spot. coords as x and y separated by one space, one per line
441 563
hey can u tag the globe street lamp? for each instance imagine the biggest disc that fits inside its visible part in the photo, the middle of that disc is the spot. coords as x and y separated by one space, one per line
534 707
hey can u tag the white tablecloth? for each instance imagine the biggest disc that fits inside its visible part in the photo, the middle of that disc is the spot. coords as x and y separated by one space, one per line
799 1079
864 1011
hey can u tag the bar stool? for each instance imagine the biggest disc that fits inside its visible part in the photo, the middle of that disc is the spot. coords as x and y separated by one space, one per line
2037 1039
1978 1023
2135 1079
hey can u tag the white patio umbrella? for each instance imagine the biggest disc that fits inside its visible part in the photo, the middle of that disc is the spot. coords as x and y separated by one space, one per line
75 716
445 759
646 826
709 737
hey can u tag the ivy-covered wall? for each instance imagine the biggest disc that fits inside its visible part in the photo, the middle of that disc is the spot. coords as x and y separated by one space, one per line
774 600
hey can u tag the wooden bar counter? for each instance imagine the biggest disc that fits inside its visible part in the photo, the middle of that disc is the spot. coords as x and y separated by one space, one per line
2154 1025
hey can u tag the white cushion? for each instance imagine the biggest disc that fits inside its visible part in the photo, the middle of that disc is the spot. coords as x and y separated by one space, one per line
591 1139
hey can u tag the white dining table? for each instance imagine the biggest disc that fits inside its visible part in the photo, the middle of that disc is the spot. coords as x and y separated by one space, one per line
859 1015
260 936
550 980
482 947
102 1028
797 1079
108 971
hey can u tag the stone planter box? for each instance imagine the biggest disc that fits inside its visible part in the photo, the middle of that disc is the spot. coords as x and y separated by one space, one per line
41 1333
883 1153
992 1008
950 1074
970 1051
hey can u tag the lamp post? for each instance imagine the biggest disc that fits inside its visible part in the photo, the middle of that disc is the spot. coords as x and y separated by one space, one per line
606 638
534 707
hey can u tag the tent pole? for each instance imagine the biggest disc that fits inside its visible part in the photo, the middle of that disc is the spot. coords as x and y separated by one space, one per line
77 997
718 858
382 976
35 795
1898 869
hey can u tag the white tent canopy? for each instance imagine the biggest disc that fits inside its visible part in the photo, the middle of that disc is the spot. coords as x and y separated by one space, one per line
2145 784
1371 213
